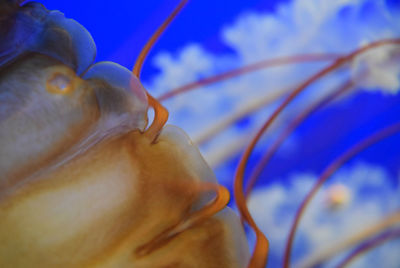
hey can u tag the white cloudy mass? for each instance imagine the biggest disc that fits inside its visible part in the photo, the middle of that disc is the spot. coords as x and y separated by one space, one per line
302 26
372 195
381 68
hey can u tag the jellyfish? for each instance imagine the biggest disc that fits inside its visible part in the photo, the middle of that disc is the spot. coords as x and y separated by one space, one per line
296 70
85 180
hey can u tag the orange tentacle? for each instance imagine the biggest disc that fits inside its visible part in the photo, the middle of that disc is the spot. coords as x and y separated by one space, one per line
154 38
219 202
160 118
160 112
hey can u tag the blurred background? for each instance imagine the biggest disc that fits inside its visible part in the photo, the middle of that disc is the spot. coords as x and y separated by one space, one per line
213 37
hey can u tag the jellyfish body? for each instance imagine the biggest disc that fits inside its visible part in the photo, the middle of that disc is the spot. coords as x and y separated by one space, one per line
80 185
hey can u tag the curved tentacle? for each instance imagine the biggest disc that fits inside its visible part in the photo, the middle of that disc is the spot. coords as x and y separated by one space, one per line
326 174
369 245
291 127
160 112
324 254
248 69
209 210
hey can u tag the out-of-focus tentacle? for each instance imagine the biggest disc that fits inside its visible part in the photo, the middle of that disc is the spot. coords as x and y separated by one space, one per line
327 173
248 69
291 127
369 245
324 254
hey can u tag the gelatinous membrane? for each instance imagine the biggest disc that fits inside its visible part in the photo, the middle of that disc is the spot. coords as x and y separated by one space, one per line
110 200
80 184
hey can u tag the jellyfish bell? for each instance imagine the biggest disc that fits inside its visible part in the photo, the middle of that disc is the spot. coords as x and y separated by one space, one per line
103 204
82 181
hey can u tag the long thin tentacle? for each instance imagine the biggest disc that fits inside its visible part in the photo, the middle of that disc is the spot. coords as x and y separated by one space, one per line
369 245
335 165
160 112
289 129
302 58
321 255
154 38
